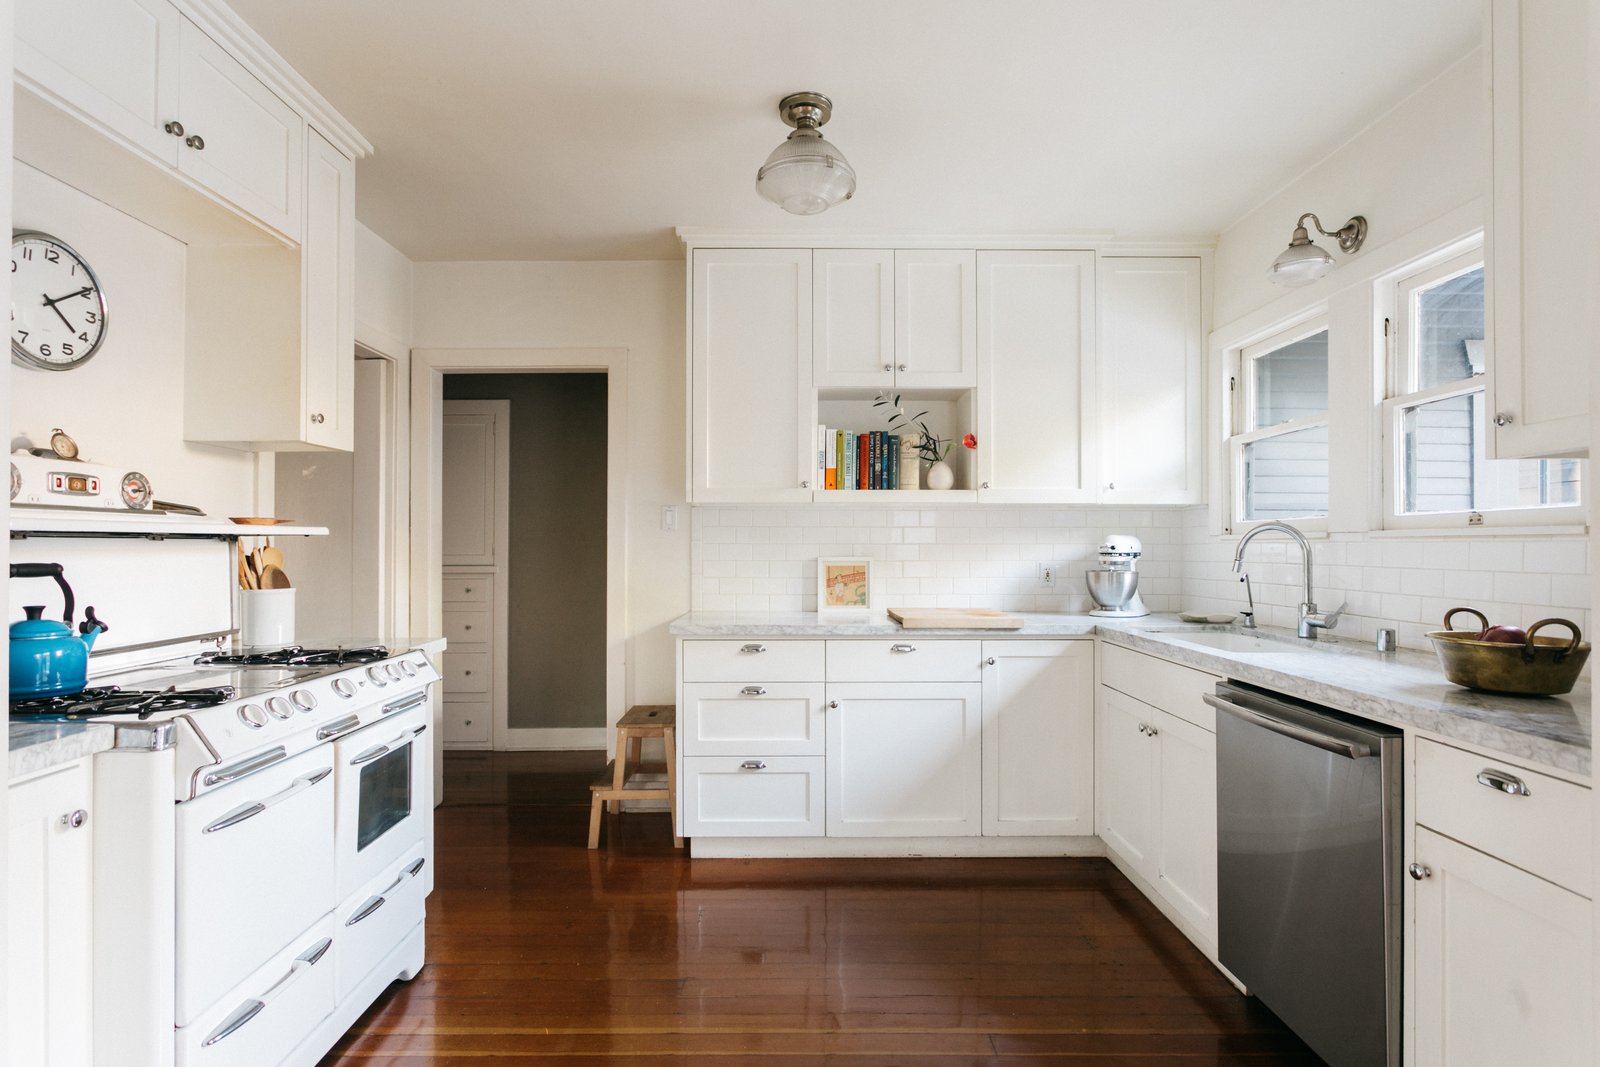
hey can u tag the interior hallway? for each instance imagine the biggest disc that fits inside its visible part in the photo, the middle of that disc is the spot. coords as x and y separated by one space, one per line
541 951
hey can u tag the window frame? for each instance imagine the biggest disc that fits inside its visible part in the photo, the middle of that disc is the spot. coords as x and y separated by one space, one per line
1242 385
1396 304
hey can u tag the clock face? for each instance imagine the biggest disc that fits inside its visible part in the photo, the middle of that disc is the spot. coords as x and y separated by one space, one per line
58 313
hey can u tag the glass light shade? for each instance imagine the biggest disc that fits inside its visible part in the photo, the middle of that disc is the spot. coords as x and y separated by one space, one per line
805 175
1300 264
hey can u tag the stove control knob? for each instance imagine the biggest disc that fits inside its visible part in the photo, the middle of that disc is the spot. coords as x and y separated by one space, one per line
376 673
392 671
279 708
303 699
252 716
408 668
344 688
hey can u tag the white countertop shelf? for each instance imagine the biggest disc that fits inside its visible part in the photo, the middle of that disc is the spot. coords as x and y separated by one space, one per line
95 524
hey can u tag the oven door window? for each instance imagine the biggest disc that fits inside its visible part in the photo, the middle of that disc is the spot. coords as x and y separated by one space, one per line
385 796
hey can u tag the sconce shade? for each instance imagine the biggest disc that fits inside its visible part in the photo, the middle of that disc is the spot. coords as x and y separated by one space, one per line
1303 262
806 175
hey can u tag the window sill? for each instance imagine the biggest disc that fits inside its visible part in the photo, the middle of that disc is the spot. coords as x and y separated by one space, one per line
1575 531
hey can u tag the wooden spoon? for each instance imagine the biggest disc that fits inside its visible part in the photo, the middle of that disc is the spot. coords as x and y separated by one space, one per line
271 557
273 578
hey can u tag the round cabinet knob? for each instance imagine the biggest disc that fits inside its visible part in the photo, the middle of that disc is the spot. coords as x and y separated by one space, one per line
378 677
344 688
834 704
468 626
805 485
990 661
195 141
901 368
303 699
252 716
174 127
1419 872
466 722
984 485
467 589
1143 728
74 819
1504 418
316 417
279 708
1152 731
888 366
1111 485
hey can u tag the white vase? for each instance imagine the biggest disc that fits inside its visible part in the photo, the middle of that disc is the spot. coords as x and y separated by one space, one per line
940 476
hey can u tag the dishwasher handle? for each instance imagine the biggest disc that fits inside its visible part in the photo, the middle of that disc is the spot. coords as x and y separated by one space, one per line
1339 746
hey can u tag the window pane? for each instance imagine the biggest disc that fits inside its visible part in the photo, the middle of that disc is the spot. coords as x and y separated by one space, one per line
1286 477
1443 466
1291 382
1449 318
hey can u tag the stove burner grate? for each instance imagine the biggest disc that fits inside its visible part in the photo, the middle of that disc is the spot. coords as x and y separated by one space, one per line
295 656
113 700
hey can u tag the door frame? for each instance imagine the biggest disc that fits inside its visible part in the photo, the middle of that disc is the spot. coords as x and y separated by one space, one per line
428 368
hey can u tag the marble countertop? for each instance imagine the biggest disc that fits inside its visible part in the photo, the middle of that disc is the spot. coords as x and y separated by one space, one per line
1404 688
38 746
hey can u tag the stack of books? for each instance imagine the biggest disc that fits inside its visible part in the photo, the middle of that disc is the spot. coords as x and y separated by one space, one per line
847 459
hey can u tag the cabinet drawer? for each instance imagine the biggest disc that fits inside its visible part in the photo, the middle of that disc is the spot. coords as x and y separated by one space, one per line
466 627
758 796
1545 832
1171 687
466 722
468 588
752 660
466 672
729 719
905 660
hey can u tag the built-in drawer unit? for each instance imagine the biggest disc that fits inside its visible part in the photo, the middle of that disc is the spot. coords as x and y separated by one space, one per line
905 660
1172 687
467 722
468 588
748 661
733 719
470 626
1526 818
466 672
753 796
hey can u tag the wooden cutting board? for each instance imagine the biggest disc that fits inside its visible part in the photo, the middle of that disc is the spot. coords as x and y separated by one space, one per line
955 619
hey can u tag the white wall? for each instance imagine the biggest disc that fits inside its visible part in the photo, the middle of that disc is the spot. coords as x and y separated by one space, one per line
125 406
383 297
634 305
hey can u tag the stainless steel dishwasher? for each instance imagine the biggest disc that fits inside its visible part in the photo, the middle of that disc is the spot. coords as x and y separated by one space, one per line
1308 869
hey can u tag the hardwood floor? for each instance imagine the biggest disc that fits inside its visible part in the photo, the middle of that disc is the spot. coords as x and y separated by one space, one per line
541 951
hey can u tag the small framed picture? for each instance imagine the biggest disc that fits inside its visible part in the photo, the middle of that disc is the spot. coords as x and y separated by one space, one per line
844 586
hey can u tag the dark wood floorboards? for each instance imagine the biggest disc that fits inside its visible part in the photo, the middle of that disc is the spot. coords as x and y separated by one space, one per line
540 951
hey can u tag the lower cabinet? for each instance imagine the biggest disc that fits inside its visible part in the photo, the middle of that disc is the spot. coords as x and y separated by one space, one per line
49 925
756 796
1038 738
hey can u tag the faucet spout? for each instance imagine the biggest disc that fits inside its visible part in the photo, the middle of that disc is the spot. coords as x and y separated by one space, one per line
1310 620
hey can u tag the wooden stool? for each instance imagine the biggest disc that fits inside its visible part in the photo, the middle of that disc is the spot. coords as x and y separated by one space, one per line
613 786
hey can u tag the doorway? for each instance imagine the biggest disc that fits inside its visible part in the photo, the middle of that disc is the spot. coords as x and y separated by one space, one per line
524 528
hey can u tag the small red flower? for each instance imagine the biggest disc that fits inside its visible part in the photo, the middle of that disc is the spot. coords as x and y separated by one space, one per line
970 441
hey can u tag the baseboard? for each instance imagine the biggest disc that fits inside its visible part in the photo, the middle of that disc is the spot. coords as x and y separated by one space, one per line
850 847
1177 918
528 738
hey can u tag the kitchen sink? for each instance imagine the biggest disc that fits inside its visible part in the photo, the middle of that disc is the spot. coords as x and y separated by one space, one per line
1230 641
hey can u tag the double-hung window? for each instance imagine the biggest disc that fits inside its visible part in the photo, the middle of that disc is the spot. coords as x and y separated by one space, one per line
1437 471
1279 452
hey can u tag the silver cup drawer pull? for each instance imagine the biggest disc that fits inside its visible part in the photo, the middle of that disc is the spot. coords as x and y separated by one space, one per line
753 691
1504 781
902 648
752 648
752 765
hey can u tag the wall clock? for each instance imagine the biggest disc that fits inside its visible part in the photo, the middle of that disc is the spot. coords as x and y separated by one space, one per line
58 310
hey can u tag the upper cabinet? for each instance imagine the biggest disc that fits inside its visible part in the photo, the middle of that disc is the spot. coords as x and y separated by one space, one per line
935 319
1543 265
884 319
852 318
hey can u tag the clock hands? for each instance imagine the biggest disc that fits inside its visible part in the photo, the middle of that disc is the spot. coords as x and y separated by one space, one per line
51 303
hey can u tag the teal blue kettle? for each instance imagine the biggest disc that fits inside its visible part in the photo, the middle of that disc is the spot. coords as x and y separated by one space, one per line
47 658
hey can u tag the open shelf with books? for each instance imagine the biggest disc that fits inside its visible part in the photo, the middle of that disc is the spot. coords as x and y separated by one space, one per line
855 434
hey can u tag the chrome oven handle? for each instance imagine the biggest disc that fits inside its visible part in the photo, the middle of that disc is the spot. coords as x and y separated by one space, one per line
338 726
369 755
253 1007
254 808
244 767
367 909
415 700
379 901
1337 745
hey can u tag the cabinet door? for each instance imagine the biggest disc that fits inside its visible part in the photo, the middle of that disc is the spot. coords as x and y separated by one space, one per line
1186 777
1504 967
1038 738
328 265
904 759
759 796
852 308
1035 341
935 319
49 979
474 452
1125 811
1543 265
253 142
753 412
1148 381
114 62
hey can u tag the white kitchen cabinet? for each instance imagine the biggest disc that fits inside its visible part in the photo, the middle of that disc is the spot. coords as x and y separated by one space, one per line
935 318
894 319
752 796
852 308
904 759
1147 383
49 919
328 277
1543 266
1038 738
1036 331
473 631
752 408
1125 796
1504 969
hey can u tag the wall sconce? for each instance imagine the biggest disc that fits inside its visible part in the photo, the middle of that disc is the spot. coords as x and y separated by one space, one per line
805 175
1303 262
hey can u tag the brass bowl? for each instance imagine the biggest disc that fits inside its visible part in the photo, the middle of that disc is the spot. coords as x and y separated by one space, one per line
1540 666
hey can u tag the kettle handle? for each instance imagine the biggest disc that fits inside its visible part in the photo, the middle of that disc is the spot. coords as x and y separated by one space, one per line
48 570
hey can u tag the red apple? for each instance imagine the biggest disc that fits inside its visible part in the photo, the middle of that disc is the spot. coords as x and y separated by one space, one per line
1505 635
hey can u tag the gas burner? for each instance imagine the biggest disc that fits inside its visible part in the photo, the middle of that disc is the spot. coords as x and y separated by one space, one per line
113 700
295 656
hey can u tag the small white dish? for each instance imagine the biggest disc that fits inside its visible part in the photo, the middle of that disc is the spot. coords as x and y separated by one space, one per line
1200 616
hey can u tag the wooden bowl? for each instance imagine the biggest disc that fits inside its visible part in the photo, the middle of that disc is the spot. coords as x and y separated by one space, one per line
1540 666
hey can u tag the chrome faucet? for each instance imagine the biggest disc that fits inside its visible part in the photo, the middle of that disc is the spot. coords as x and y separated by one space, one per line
1311 620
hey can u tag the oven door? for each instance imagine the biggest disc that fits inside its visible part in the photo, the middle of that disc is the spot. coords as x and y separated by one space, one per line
255 869
384 783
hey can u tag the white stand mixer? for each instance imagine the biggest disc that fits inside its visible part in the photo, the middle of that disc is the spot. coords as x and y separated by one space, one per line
1115 585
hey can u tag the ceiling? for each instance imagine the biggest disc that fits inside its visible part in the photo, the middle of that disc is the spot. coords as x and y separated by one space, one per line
590 129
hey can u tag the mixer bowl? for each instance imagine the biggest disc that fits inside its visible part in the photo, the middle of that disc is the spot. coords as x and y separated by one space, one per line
1112 589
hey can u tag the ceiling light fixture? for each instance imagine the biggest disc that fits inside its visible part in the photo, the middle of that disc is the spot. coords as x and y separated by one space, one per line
806 175
1303 262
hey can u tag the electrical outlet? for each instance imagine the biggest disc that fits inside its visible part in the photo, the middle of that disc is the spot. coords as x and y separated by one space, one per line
1047 575
669 517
